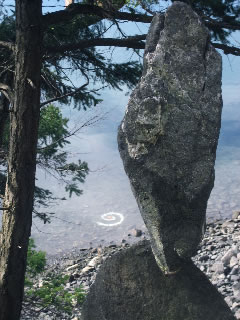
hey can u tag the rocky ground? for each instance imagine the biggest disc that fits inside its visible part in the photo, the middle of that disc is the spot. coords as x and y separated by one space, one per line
218 257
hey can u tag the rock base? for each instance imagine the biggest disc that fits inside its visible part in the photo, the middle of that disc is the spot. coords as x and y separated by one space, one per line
130 286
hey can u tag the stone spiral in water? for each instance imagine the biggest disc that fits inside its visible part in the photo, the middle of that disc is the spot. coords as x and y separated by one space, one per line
111 219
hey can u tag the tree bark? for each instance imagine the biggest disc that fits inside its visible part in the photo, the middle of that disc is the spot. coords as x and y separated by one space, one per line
4 110
16 223
4 114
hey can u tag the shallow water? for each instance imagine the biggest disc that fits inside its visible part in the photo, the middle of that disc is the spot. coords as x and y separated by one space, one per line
107 190
78 222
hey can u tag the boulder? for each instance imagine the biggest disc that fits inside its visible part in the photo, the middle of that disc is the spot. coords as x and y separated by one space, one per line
131 286
168 137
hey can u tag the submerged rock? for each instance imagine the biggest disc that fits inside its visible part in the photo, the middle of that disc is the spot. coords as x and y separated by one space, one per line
168 137
130 285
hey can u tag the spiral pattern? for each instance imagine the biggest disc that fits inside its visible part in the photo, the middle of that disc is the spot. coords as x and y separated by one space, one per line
111 219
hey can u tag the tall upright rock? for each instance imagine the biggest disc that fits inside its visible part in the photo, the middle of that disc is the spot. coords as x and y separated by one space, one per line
169 135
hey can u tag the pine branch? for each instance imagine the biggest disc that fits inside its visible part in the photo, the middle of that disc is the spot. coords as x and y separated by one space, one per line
76 9
225 25
227 49
69 94
90 122
130 42
84 9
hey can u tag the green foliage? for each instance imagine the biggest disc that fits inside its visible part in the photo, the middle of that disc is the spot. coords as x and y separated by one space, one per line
36 260
7 29
73 188
52 291
53 131
52 137
43 197
90 64
52 126
227 11
220 10
119 74
52 134
87 62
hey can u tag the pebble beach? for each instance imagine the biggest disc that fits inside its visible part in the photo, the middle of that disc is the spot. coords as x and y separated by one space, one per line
218 257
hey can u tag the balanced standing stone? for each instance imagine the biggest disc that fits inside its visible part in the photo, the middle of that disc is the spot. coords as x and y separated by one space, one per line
168 137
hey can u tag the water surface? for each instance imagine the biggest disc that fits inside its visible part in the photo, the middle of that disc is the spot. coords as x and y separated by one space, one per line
107 188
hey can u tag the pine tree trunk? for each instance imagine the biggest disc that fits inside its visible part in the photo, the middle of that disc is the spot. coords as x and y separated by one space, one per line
4 107
16 223
4 113
4 118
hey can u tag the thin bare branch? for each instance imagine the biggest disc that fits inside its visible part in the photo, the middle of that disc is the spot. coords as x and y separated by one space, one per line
49 82
34 211
67 221
69 94
91 121
119 29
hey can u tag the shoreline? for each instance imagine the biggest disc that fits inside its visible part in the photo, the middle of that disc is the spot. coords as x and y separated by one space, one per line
218 257
131 238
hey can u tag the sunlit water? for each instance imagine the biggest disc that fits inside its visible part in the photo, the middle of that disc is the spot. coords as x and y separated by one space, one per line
107 210
91 217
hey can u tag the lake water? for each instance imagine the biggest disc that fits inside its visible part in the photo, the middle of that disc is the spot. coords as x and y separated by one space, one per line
79 221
